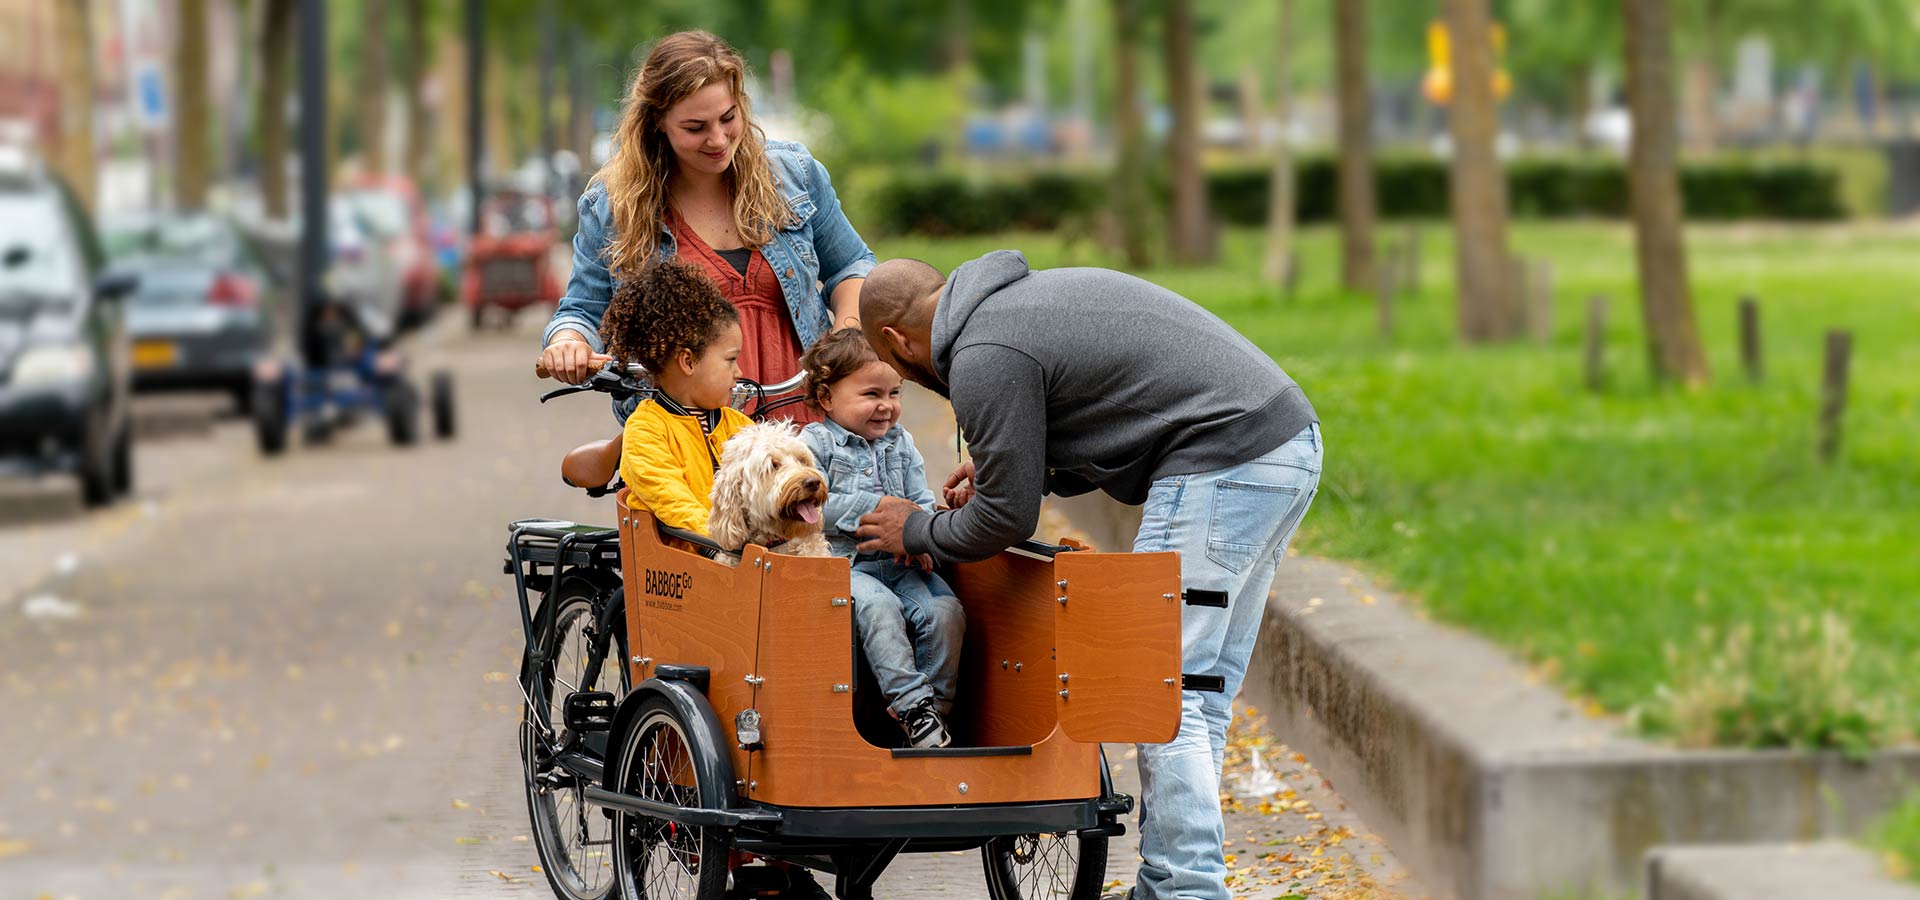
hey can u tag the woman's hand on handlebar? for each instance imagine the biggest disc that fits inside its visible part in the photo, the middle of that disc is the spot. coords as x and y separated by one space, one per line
959 487
570 359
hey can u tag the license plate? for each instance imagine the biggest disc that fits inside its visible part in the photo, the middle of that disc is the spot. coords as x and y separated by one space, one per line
155 354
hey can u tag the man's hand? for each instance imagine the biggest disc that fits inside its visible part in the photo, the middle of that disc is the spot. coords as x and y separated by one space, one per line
884 529
571 359
959 487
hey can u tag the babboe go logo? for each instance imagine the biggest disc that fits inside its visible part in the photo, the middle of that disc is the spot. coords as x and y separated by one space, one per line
671 585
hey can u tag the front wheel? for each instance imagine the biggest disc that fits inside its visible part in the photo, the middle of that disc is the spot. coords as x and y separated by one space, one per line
1065 866
572 838
441 388
654 858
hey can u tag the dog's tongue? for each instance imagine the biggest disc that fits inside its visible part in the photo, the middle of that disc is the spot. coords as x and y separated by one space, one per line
808 512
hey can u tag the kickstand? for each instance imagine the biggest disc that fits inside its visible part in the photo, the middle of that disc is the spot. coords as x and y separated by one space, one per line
855 873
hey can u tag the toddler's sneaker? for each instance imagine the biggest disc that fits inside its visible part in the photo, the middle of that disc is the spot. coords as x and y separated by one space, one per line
924 726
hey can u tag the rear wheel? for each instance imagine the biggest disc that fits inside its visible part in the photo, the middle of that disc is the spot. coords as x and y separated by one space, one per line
573 839
1066 866
655 858
402 408
270 417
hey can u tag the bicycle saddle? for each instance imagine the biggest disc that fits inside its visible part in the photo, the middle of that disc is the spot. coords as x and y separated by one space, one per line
592 464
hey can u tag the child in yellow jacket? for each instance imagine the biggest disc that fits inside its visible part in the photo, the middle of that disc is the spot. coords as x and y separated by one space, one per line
672 319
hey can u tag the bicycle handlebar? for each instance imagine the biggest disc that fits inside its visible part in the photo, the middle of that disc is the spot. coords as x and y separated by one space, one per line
633 378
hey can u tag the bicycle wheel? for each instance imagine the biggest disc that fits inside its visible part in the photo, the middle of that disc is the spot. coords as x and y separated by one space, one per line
572 838
1065 866
657 859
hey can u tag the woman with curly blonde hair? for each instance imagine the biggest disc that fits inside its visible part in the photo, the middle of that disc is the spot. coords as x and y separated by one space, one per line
692 176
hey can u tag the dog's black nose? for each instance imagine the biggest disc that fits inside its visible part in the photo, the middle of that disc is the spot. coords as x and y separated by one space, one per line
811 484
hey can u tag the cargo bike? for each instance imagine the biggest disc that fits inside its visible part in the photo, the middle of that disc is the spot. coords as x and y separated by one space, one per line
698 730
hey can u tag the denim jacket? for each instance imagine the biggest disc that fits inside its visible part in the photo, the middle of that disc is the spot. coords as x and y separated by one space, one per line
859 472
810 259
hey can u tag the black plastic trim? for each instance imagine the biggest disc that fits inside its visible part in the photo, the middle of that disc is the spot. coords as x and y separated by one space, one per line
700 677
1200 597
1205 684
917 752
936 821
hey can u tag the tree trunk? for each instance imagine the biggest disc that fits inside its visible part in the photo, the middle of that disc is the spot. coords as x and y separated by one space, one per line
276 58
956 51
418 61
1192 242
580 104
75 157
373 86
1131 204
1490 307
193 115
1653 182
1356 145
1280 201
1582 104
1703 81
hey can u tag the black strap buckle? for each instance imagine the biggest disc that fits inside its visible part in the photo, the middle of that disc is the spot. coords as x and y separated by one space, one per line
1206 684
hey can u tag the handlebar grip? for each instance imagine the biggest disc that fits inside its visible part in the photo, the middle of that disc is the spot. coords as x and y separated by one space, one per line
540 370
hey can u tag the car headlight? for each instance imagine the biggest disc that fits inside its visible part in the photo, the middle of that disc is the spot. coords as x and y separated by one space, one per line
56 364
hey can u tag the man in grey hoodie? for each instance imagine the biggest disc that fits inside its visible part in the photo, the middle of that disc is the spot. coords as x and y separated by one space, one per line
1067 380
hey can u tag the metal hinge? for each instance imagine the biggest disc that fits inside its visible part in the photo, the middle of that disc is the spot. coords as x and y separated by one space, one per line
755 680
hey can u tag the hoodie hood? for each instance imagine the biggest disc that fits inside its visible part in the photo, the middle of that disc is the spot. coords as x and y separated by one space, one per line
970 283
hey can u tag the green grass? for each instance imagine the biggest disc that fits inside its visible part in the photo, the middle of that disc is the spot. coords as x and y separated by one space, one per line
1897 836
1608 537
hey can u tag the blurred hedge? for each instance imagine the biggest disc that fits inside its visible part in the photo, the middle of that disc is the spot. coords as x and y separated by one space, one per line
945 203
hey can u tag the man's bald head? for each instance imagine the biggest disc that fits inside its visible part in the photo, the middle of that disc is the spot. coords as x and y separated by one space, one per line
897 303
898 294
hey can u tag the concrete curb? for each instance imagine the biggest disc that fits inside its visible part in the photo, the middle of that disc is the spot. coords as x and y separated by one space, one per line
1490 785
1770 872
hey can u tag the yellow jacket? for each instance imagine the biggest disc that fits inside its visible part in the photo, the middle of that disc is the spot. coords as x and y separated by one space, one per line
668 463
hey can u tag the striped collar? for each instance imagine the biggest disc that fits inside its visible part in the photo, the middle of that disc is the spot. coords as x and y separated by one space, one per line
709 418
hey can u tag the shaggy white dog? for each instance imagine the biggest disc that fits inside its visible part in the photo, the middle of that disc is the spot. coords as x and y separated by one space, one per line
768 492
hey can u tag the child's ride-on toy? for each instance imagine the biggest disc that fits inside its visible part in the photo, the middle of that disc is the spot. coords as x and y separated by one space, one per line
350 372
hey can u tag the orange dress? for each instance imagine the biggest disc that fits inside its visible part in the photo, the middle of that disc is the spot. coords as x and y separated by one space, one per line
770 349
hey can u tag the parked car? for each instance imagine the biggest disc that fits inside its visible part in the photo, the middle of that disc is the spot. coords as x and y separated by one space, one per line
205 310
391 213
64 354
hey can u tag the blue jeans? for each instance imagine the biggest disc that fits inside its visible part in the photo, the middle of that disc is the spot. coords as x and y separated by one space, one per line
1231 527
910 625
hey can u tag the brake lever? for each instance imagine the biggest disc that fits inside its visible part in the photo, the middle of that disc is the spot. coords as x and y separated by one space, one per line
562 392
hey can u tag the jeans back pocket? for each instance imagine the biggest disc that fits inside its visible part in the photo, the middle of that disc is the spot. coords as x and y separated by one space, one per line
1243 520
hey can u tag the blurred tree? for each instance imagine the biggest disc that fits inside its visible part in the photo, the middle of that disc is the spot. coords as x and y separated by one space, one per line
1356 145
1132 205
1653 180
1192 233
276 58
1554 49
74 156
1280 193
372 95
193 112
1490 303
418 61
